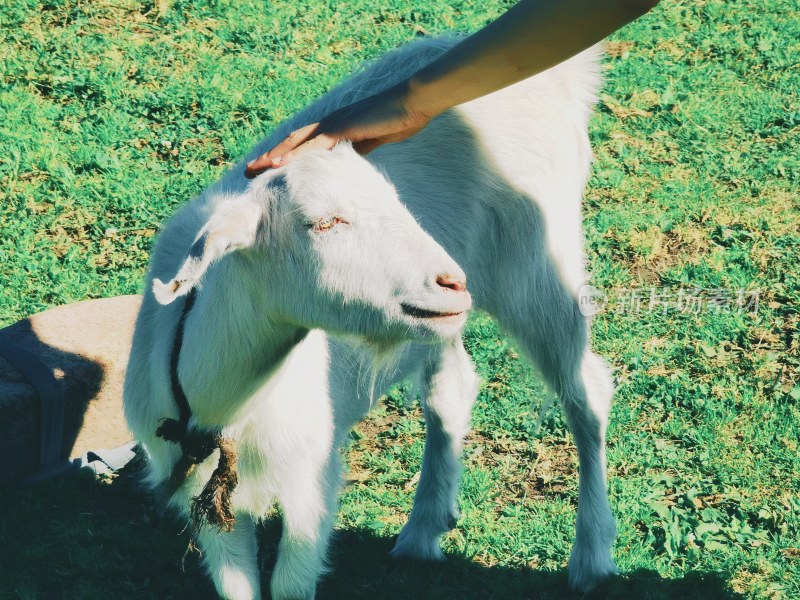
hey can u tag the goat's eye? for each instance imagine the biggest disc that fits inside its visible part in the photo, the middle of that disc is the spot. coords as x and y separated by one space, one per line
326 224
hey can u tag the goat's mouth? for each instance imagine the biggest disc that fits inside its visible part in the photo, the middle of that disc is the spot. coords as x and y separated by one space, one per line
422 313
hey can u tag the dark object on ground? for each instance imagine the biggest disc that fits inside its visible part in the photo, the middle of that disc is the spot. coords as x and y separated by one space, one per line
61 376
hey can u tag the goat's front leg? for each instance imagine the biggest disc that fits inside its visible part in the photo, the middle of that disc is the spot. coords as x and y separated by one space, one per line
308 497
230 557
451 388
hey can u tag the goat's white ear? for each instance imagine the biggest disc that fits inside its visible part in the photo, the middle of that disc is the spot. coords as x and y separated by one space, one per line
233 225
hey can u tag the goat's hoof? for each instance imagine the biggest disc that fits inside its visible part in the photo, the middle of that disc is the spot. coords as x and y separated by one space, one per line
291 595
412 546
587 568
295 587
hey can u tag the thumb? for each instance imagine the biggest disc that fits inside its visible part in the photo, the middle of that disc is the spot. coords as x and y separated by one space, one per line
259 165
366 146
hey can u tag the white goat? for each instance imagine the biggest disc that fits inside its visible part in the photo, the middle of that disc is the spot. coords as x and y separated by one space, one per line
324 243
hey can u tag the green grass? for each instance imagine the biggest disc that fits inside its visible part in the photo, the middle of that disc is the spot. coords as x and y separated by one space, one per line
114 113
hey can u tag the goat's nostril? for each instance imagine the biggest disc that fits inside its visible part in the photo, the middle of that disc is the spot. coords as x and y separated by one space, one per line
451 282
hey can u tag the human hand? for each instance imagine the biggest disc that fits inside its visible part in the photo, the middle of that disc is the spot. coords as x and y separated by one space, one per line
368 123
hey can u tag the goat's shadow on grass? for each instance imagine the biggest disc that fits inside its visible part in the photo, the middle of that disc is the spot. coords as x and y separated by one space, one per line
84 537
361 568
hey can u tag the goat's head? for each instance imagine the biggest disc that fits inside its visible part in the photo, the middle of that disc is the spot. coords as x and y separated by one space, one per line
327 243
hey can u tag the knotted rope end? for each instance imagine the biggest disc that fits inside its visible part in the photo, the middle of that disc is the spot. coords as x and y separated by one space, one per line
214 504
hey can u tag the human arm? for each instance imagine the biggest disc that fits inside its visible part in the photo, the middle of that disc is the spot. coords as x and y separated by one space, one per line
530 37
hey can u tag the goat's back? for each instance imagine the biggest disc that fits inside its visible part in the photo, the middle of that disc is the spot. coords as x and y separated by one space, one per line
498 181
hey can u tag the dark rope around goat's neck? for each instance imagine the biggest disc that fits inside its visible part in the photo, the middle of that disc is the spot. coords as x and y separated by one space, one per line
213 505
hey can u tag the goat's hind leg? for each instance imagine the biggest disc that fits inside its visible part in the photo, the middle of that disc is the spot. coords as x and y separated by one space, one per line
587 408
450 390
546 321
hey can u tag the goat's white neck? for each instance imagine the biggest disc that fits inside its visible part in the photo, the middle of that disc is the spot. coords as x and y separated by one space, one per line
231 345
